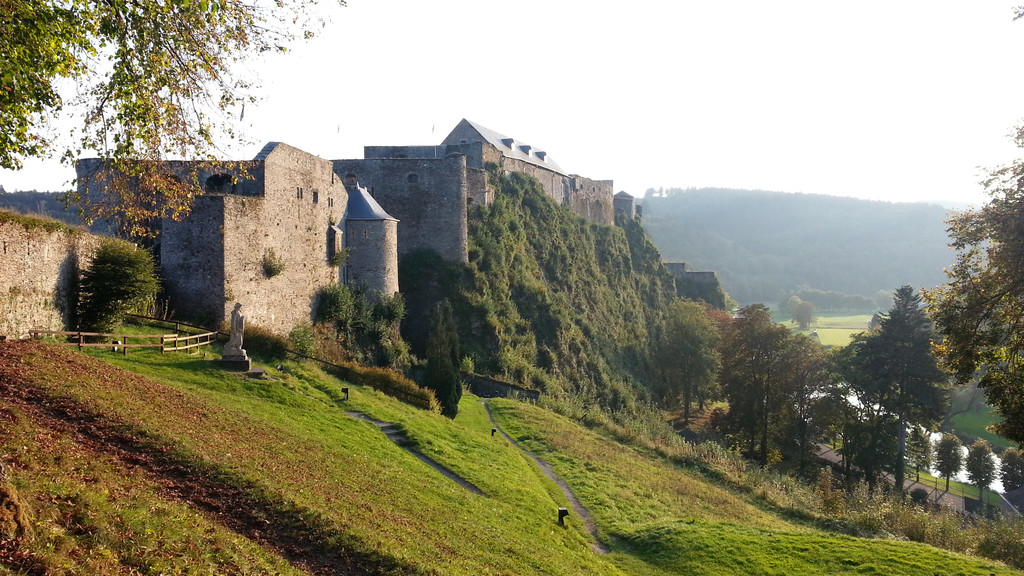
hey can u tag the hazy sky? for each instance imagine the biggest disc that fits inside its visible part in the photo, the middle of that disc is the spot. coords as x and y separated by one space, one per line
899 101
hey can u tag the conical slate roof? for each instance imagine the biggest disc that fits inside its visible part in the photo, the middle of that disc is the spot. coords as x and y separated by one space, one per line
362 206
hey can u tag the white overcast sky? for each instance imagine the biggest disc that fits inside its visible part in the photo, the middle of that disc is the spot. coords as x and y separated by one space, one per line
894 100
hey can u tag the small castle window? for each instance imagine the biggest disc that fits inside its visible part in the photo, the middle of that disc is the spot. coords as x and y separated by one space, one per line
330 202
298 193
316 196
412 179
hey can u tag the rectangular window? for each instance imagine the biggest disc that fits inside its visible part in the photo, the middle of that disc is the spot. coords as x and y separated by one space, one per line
316 197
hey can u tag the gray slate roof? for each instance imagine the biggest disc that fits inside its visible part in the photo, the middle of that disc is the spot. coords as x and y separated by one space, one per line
267 149
362 206
509 147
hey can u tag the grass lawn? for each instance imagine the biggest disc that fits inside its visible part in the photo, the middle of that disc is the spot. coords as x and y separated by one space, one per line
975 422
833 330
301 467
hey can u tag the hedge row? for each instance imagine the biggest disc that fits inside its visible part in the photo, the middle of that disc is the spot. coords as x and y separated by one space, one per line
389 382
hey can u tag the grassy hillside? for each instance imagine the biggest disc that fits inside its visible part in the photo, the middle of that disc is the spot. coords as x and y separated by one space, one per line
188 469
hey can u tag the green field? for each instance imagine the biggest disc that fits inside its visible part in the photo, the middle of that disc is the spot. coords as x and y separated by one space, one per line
834 330
188 469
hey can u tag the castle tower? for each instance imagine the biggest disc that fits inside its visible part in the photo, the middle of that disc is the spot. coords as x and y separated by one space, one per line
371 238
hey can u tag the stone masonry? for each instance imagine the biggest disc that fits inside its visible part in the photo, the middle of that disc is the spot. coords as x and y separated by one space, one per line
38 271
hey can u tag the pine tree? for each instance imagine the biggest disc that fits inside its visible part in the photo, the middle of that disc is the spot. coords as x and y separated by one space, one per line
443 359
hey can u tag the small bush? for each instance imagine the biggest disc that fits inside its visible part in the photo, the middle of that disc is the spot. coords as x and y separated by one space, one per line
272 263
391 383
121 278
919 495
303 339
261 341
338 259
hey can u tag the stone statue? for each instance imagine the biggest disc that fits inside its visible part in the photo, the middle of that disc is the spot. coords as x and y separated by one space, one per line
233 349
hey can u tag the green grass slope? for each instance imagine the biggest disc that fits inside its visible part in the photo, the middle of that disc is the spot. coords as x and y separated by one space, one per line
181 468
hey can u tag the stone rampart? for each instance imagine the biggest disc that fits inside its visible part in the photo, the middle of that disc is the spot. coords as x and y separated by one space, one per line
40 264
267 249
429 198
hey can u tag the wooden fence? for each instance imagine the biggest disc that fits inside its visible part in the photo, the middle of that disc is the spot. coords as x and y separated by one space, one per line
167 343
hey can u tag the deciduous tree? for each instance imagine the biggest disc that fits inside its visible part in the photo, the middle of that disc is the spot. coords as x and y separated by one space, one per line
152 79
980 310
981 466
804 314
949 457
686 356
919 450
753 378
1011 471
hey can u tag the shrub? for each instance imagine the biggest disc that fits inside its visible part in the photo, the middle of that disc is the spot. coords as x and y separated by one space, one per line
335 303
303 339
261 341
272 263
389 382
919 495
120 278
338 258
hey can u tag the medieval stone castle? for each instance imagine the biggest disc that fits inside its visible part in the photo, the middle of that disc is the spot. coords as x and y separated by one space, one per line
293 223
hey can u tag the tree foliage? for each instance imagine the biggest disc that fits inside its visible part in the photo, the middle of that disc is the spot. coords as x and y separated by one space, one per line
120 278
768 376
685 356
949 457
804 314
980 309
152 79
896 377
981 466
1011 471
444 359
920 452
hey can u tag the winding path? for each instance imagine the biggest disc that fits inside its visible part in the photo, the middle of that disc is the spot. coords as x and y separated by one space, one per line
580 509
392 432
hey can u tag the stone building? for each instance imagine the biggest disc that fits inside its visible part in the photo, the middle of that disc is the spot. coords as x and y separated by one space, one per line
625 204
270 238
430 188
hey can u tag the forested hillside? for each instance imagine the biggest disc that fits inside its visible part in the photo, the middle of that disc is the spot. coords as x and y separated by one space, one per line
767 244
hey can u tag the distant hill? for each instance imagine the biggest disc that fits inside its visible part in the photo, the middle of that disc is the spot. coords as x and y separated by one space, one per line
764 244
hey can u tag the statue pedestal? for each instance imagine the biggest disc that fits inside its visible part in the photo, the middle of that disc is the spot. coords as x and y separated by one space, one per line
235 362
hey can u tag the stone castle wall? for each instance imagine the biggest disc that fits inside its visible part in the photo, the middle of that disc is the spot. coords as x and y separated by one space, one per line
302 198
215 257
192 262
593 200
38 272
429 198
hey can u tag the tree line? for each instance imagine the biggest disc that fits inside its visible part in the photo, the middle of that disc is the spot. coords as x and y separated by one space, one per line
876 400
